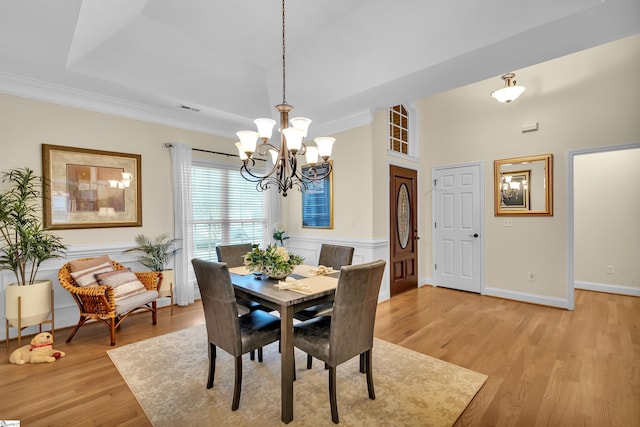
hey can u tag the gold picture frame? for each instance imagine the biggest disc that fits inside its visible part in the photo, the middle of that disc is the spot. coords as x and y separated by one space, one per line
86 188
317 199
536 176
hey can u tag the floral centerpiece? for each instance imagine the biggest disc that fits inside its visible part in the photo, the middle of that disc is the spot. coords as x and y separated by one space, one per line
275 261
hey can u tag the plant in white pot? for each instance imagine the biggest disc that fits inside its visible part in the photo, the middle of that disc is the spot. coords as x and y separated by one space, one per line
155 254
24 246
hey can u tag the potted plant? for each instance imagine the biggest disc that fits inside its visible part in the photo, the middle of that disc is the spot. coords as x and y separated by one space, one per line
24 246
275 261
156 253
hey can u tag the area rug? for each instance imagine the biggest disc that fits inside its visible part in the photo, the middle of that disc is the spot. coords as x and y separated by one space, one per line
168 375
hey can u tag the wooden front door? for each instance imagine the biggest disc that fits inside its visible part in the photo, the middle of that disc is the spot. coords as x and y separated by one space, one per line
403 202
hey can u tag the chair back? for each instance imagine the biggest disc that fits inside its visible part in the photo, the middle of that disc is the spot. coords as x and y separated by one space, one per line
354 310
335 256
233 255
219 304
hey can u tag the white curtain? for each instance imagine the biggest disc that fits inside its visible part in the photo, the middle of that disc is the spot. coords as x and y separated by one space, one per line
183 218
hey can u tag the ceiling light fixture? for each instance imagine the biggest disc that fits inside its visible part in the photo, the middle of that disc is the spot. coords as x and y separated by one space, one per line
510 91
285 173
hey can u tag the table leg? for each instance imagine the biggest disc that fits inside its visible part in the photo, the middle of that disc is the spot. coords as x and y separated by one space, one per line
286 363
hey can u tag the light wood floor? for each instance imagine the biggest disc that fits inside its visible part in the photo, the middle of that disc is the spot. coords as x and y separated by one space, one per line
546 366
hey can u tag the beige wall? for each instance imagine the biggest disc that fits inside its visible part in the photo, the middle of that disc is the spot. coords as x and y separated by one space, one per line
589 99
26 124
607 226
352 190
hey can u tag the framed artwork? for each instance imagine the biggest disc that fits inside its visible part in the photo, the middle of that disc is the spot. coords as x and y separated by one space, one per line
514 190
87 188
317 200
523 186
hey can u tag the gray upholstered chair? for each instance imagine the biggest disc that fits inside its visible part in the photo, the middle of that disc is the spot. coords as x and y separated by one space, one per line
348 332
233 256
330 256
335 256
234 334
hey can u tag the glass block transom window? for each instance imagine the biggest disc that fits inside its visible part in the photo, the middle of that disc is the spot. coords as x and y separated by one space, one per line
399 129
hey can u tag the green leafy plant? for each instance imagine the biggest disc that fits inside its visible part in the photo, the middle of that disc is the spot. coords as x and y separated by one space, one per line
278 233
24 243
276 260
156 252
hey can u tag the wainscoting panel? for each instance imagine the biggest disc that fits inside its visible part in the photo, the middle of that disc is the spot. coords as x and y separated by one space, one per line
66 310
365 250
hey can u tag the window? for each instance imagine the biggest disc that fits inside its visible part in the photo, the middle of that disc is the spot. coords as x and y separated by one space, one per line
399 129
227 209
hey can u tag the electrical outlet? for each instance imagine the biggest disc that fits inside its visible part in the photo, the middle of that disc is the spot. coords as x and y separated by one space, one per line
609 269
508 222
532 276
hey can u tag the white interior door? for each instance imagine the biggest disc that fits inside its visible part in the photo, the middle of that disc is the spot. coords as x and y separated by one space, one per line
457 237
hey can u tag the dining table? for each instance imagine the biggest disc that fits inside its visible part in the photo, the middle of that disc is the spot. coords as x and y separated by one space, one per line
316 289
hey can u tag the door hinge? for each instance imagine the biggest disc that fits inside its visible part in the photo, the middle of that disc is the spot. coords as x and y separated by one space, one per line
436 266
435 182
435 225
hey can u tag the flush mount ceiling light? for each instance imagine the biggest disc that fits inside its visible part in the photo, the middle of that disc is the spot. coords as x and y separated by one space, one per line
285 173
510 91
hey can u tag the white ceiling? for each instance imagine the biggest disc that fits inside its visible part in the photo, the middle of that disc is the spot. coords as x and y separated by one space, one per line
345 58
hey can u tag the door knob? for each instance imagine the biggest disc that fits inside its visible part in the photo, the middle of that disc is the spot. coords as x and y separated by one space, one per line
473 235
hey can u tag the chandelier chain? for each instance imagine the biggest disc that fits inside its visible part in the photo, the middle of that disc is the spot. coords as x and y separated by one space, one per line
284 92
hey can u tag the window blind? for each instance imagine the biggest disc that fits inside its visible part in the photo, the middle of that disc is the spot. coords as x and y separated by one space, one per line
227 210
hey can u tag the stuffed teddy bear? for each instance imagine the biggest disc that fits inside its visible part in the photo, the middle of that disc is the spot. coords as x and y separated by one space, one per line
39 351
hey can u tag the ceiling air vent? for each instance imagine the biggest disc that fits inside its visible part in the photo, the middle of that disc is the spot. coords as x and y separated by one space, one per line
186 107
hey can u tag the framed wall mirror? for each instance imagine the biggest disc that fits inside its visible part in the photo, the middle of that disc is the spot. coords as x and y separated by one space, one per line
524 186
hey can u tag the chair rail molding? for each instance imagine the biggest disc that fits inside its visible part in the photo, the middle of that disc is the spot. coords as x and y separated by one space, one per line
65 309
365 250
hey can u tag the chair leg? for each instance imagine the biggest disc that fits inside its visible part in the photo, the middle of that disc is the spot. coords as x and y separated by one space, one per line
369 369
154 313
212 364
112 330
81 322
260 354
252 355
309 361
237 387
332 394
362 368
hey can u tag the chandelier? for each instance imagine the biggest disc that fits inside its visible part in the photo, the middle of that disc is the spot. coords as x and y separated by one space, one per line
510 91
511 189
285 173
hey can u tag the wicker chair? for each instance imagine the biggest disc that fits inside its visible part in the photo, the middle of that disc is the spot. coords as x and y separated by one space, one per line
98 302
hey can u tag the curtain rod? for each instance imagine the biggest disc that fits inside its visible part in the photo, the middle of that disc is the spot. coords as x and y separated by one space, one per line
169 145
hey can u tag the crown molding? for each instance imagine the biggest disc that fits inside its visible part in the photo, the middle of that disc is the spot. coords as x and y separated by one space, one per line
39 90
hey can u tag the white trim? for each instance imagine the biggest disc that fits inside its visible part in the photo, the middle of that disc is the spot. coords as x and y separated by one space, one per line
365 250
527 297
604 287
403 156
355 120
65 309
571 285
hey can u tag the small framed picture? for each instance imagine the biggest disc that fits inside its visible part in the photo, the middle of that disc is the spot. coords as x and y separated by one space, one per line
317 199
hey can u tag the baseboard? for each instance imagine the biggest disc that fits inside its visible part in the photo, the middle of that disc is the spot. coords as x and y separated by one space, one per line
612 289
527 297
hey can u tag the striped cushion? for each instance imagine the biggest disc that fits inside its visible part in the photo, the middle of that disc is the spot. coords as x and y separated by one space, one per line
84 263
124 283
87 276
